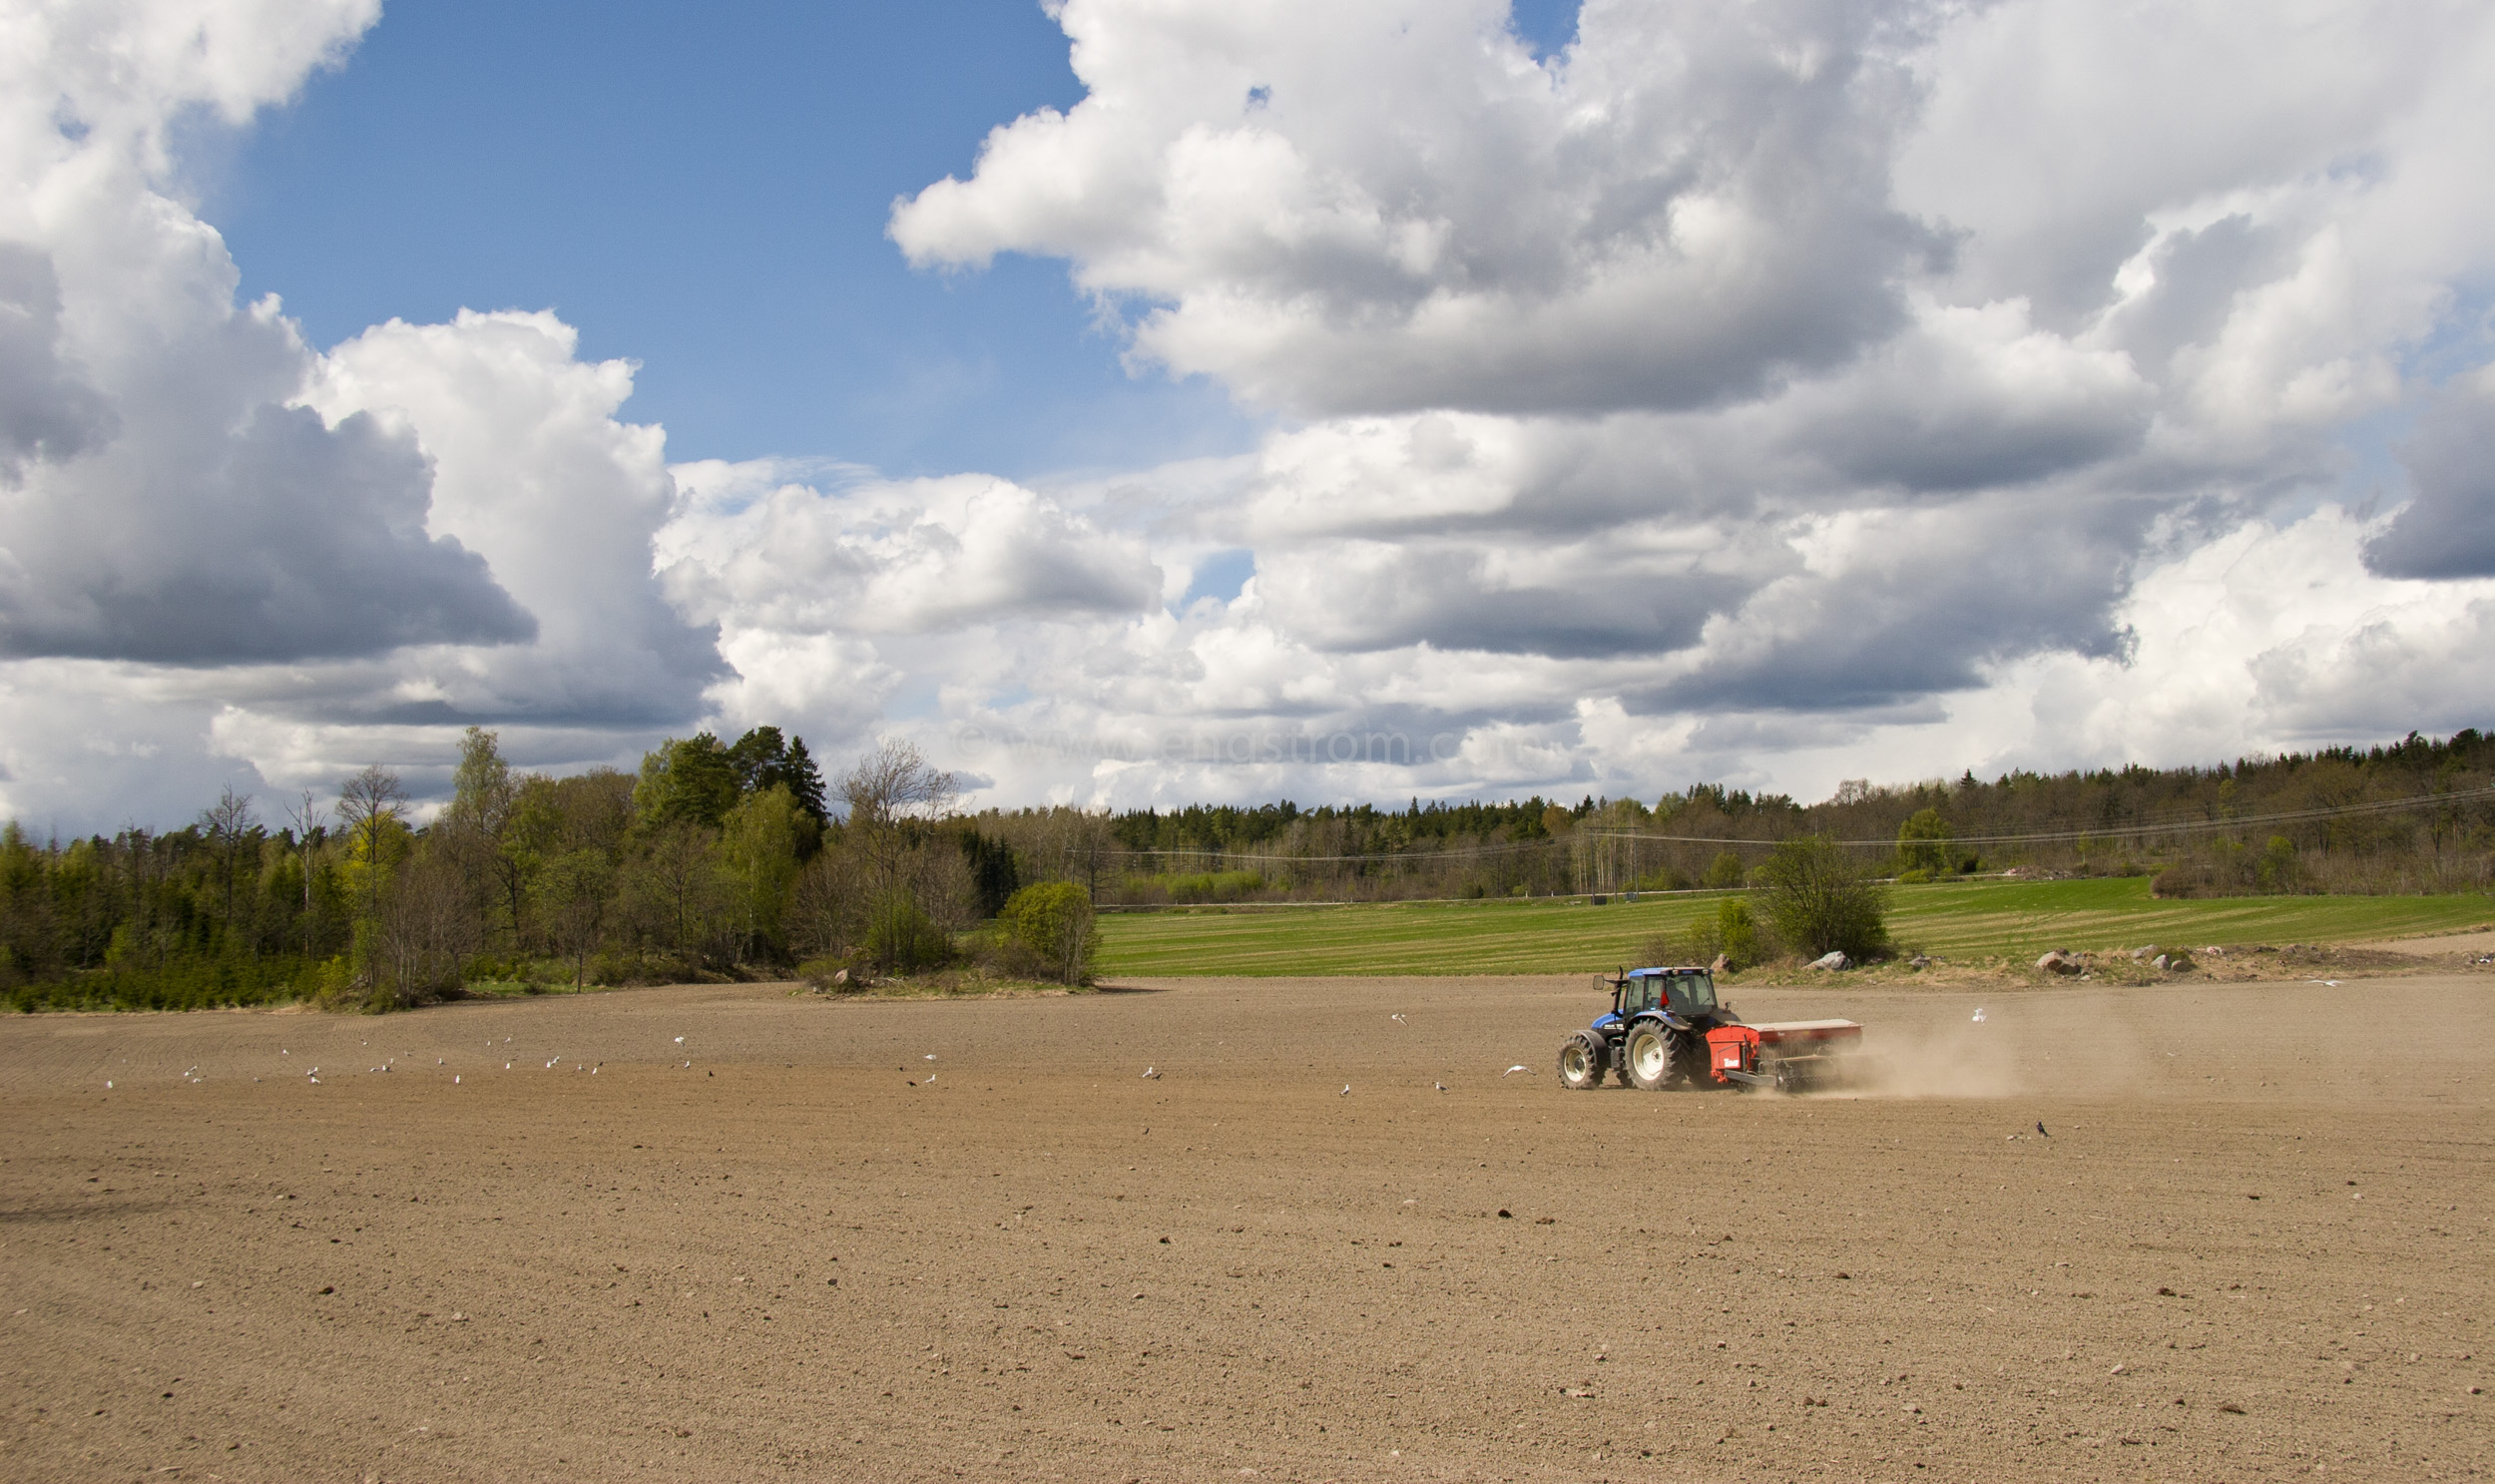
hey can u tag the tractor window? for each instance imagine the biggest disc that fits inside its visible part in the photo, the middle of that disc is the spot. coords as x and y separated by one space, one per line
1691 994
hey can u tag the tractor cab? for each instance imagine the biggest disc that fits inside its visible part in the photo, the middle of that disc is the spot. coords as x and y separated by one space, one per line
1688 994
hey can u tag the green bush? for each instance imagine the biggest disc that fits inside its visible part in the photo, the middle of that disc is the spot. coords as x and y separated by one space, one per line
902 939
184 984
612 967
2278 869
1725 871
1209 886
1923 843
1733 934
1737 936
2183 880
1054 922
1820 899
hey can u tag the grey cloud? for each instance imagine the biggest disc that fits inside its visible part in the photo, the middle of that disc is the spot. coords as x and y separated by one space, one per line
1734 735
2448 530
1921 452
46 411
1922 614
2199 274
1591 605
1929 418
290 541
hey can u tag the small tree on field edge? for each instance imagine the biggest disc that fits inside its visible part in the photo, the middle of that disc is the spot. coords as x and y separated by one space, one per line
1819 899
1055 922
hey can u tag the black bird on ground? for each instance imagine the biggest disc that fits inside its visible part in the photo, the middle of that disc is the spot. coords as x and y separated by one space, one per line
2040 1128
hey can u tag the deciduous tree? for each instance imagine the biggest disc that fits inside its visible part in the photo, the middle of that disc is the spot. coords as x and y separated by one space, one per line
1822 899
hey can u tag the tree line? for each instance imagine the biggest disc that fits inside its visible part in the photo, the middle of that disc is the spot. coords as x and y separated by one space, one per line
716 860
725 859
2356 825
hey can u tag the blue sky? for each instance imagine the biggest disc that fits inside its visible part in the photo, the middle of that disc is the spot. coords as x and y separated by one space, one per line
705 190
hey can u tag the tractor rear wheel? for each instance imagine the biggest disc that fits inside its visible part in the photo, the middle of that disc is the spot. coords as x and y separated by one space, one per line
1657 1056
1582 1061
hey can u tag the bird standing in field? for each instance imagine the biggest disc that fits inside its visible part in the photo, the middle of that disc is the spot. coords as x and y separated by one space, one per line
2040 1128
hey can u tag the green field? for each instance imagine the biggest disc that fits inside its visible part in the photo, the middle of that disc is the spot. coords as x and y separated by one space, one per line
1958 920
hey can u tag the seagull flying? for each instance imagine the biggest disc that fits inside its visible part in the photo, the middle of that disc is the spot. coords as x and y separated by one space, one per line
1347 1091
1153 1073
1512 1070
1441 1086
1979 1015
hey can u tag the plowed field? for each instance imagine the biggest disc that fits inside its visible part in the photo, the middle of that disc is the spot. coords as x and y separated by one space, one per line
2252 1239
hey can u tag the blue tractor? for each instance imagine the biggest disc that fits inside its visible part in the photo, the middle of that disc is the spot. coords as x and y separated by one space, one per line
1665 1029
1654 1035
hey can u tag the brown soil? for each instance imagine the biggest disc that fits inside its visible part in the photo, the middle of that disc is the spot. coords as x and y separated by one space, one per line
2471 944
2241 963
2254 1241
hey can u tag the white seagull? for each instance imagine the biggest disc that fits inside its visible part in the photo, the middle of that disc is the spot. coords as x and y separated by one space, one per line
1512 1070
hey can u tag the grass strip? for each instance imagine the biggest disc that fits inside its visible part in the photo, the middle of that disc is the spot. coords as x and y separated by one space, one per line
1956 919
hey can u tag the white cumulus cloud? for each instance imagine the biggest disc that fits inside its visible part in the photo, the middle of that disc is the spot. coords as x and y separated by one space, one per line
1770 393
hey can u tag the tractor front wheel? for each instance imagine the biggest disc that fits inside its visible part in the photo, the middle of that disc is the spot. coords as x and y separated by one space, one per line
1582 1061
1657 1056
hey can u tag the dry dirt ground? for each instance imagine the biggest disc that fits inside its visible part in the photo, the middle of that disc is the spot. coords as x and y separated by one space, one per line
2253 1240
